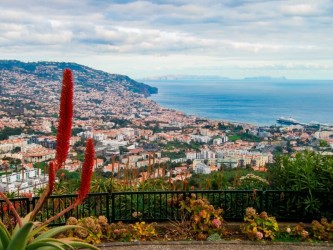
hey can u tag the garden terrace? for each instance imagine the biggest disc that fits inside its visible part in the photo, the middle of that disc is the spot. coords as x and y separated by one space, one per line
165 205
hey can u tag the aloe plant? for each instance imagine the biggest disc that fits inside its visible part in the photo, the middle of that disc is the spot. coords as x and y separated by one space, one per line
29 237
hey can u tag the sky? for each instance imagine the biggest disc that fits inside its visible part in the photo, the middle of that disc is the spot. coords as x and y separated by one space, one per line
229 38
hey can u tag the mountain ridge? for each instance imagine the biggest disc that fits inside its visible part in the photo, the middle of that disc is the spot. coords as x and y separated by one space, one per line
84 76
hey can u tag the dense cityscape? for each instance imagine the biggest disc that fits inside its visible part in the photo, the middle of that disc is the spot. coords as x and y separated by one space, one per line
130 132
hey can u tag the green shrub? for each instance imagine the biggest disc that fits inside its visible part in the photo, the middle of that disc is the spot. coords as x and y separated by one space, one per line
307 171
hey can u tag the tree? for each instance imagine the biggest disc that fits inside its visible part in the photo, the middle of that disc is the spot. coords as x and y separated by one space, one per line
123 150
189 161
16 150
323 144
75 131
6 132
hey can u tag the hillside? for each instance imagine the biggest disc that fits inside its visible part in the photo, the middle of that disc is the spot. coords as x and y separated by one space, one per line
32 90
84 76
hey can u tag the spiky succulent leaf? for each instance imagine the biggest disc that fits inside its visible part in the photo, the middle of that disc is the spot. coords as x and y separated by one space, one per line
4 236
80 244
36 231
4 228
36 244
25 220
20 239
44 245
54 231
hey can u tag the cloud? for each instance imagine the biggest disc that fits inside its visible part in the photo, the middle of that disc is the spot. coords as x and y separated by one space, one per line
301 9
214 30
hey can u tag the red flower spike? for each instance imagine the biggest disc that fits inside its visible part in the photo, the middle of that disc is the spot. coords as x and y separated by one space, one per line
87 169
51 176
65 118
4 208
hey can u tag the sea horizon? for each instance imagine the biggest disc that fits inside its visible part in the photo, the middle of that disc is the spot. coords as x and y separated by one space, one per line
253 101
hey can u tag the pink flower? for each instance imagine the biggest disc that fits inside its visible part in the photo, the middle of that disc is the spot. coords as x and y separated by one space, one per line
250 212
259 235
216 223
136 214
288 230
263 215
202 214
304 234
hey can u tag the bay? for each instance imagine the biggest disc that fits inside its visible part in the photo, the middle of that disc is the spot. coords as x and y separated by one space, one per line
258 102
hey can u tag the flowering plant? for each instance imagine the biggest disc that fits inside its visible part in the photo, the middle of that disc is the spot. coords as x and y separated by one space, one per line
251 181
205 219
97 226
120 232
299 232
322 230
143 231
28 234
259 226
129 232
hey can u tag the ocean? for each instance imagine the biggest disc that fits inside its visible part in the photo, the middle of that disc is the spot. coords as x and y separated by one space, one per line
258 102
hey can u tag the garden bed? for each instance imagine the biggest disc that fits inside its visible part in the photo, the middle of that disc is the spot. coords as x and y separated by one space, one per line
235 240
200 221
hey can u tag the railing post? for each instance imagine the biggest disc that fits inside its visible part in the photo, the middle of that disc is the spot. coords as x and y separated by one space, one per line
107 206
113 208
29 204
263 201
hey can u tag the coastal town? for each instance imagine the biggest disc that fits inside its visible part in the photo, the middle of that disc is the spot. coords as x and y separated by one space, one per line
131 132
166 125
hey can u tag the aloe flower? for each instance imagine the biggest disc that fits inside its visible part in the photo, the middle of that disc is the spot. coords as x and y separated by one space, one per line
65 118
63 133
51 176
87 168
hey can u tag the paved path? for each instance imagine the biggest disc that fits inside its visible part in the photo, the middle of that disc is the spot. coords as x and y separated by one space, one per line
234 245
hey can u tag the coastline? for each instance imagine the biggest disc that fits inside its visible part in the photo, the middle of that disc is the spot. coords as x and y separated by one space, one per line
238 102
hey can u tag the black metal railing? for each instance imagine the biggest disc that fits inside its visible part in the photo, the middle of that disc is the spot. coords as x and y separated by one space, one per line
165 205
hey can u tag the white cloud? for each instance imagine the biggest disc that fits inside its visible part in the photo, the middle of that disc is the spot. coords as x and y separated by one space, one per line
197 34
301 9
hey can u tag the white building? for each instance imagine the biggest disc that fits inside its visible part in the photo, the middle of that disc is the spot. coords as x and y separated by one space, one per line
93 134
200 138
192 155
220 140
202 168
24 181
